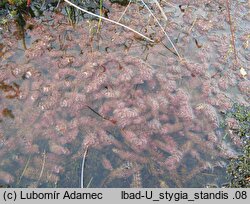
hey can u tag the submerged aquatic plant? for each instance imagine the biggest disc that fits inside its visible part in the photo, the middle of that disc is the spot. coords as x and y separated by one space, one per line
101 13
71 14
144 111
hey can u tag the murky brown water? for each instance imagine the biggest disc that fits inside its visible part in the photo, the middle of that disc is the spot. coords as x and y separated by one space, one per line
147 118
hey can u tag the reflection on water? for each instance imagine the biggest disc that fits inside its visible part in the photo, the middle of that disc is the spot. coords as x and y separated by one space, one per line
147 118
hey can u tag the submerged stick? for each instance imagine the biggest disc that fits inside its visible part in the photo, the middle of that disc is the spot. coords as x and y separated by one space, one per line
106 19
162 12
124 11
24 170
90 181
232 32
83 164
43 164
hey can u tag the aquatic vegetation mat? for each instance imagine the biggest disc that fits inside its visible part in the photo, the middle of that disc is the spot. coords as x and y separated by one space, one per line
238 125
88 103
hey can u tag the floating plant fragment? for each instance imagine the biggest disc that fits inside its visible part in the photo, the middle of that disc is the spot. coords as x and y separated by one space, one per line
243 72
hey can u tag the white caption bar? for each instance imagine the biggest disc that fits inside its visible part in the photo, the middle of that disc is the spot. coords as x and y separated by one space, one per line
115 195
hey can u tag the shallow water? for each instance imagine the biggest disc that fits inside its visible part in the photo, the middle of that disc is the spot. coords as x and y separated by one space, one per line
147 118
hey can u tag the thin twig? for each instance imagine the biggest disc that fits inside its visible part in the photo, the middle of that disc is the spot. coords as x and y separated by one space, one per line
83 164
106 19
110 120
24 170
162 12
58 4
172 5
190 29
124 11
232 31
90 181
172 44
42 169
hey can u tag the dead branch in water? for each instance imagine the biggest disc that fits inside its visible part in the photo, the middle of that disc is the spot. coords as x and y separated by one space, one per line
232 32
24 170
